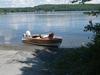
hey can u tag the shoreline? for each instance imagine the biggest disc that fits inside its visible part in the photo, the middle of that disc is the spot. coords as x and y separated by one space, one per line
21 47
52 8
23 60
28 59
31 48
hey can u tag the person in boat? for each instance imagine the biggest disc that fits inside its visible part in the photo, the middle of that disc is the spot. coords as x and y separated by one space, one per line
51 35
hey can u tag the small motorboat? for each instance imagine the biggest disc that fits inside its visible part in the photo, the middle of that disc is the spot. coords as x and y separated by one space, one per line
43 40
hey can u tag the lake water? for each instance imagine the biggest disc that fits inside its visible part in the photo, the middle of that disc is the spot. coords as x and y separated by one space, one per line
68 24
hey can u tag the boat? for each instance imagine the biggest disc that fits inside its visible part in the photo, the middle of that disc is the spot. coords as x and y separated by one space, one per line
42 40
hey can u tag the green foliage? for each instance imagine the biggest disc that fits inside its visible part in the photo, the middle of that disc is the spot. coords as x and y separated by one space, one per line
54 7
67 7
94 47
95 28
82 1
30 9
70 61
78 61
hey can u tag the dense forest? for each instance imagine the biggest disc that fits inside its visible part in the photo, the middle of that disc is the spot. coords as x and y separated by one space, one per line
6 10
68 7
54 7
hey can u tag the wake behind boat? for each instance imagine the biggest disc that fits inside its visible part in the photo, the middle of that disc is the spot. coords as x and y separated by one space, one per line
44 40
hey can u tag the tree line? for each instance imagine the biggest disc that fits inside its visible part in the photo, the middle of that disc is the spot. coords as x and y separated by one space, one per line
54 7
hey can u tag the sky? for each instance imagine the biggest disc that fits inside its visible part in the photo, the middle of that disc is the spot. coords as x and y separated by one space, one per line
31 3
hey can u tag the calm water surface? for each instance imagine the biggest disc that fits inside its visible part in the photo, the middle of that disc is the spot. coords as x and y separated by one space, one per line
69 25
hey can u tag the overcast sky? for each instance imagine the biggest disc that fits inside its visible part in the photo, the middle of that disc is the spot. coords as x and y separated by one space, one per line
30 3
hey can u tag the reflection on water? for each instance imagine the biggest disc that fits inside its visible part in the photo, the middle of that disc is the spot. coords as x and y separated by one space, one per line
69 25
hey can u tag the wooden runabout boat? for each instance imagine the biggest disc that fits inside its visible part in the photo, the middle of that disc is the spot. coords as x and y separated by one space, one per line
43 40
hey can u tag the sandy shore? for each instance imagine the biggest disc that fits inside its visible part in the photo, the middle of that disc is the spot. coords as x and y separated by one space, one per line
19 60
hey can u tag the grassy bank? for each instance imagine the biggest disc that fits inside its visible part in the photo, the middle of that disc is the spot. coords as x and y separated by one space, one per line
70 61
54 7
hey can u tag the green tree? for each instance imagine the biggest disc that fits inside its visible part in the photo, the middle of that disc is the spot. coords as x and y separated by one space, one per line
94 48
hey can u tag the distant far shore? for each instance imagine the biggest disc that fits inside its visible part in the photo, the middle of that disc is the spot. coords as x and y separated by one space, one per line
20 47
53 8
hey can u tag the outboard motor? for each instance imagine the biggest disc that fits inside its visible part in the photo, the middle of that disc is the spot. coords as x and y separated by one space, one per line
28 34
